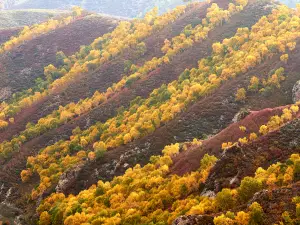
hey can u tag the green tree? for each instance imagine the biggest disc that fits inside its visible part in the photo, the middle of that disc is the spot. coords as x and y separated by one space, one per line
256 214
225 200
249 186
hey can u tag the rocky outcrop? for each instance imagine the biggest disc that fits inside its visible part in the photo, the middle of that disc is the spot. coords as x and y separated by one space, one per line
194 220
241 115
68 178
277 201
296 92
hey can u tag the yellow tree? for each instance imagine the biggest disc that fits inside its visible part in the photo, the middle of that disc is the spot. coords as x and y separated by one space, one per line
254 84
77 11
3 124
284 58
240 94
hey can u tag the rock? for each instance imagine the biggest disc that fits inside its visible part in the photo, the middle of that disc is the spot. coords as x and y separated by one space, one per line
68 178
240 115
5 93
194 220
25 72
208 193
296 92
234 181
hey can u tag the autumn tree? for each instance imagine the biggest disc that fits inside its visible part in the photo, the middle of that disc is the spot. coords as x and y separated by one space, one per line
217 48
284 58
263 129
253 136
240 95
249 186
223 220
242 218
100 148
254 84
25 175
243 128
225 199
141 49
256 213
77 11
45 218
3 124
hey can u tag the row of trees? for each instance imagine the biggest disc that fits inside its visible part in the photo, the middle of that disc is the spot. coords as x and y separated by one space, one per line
144 116
126 35
140 191
145 195
71 110
215 17
29 33
263 86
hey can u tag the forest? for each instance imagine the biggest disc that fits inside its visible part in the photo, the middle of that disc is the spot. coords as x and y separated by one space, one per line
190 116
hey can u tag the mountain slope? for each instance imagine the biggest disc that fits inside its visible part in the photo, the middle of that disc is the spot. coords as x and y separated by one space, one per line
211 83
20 18
23 65
7 33
128 8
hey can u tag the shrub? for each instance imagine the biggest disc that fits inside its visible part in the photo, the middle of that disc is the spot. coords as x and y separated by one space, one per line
249 186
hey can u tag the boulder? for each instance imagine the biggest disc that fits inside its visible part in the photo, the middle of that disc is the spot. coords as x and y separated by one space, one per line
68 178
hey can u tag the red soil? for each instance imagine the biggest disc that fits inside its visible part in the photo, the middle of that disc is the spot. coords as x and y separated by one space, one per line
189 160
238 162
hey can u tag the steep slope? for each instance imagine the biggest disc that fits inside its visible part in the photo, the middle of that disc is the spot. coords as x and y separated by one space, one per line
43 142
105 76
5 34
242 161
150 193
205 117
104 112
185 126
23 65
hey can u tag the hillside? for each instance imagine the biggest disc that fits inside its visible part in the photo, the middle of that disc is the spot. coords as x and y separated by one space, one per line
186 117
128 8
5 34
23 65
20 18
